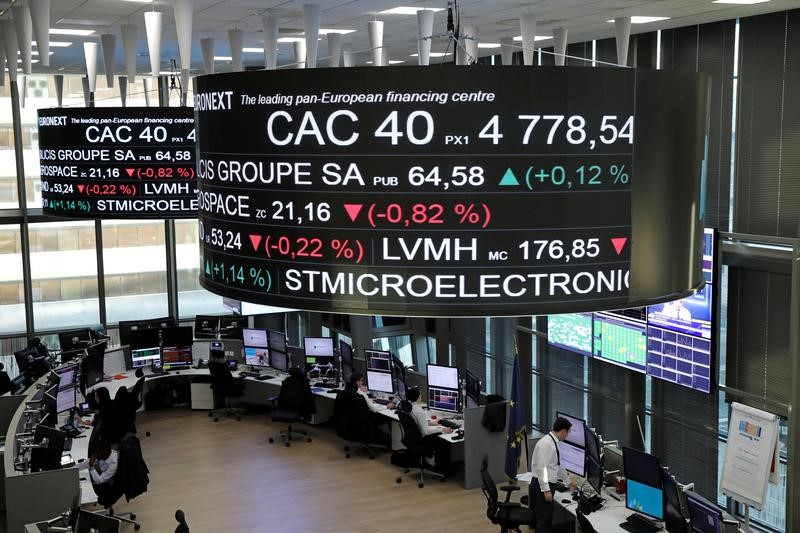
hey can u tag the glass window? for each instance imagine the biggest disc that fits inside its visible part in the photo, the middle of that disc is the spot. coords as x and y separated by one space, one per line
192 298
399 345
12 299
134 257
63 260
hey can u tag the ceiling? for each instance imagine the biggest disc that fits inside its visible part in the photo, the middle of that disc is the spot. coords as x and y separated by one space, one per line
585 20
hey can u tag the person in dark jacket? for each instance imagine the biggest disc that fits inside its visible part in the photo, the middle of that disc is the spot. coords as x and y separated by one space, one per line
183 527
5 381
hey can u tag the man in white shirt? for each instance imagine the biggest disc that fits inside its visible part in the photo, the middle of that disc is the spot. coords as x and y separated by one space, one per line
547 470
357 381
102 467
441 449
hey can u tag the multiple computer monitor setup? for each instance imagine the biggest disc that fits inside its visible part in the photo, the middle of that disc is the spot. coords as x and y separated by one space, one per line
169 347
265 348
223 326
319 356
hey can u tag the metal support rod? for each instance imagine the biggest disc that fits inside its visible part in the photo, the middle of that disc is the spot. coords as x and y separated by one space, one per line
27 281
101 272
172 268
793 439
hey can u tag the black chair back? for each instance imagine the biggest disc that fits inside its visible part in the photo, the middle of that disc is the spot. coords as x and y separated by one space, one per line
489 489
351 416
412 436
295 396
583 522
222 380
132 472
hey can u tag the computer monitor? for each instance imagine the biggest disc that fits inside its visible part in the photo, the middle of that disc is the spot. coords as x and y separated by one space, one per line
380 381
704 516
572 457
177 336
176 348
642 467
674 521
75 339
594 474
89 522
644 499
346 354
67 376
277 340
206 326
92 366
378 360
49 406
279 361
577 433
593 446
321 365
65 399
216 350
145 347
230 326
473 390
127 326
49 456
443 388
256 347
318 346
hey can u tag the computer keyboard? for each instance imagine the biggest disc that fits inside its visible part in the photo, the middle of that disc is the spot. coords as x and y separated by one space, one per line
382 401
560 487
249 374
638 524
263 377
448 423
324 385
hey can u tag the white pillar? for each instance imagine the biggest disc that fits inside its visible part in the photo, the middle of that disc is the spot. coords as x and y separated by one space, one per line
311 18
109 43
270 26
207 45
560 45
348 58
236 40
386 56
375 30
147 81
424 34
507 51
334 49
184 13
24 27
622 25
299 48
58 81
527 23
90 54
152 24
11 47
129 36
123 90
40 17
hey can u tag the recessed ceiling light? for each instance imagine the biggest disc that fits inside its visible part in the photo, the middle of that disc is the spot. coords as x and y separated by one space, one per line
535 39
291 39
489 45
56 44
638 19
253 50
223 58
406 10
69 31
326 31
744 2
434 54
391 62
36 53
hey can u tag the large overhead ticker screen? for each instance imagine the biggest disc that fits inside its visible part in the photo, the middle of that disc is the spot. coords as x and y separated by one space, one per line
449 192
128 162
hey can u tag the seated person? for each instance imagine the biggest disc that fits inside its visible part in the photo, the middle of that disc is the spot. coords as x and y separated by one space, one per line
356 384
102 469
429 427
5 381
38 365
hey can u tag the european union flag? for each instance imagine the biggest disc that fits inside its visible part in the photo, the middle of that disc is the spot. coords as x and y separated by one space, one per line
517 431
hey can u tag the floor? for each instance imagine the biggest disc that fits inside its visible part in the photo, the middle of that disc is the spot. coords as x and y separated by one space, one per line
228 478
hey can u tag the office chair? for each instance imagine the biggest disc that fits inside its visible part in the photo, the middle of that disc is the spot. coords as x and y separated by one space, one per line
354 423
223 384
131 480
583 523
507 514
419 447
295 403
137 394
183 527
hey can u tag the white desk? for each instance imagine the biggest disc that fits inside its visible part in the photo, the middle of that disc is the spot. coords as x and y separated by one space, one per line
605 520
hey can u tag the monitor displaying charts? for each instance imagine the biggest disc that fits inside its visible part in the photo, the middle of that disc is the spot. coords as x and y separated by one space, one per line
443 388
573 458
572 332
380 381
621 340
378 360
176 348
145 347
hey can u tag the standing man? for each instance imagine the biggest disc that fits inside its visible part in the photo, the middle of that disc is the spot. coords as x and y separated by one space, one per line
546 472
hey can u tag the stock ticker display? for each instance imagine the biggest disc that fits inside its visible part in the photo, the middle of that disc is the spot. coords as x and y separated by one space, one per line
450 192
119 163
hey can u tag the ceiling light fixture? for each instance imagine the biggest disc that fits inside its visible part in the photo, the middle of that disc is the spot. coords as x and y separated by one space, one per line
70 31
535 39
218 58
489 45
407 10
56 44
434 54
253 50
639 19
740 2
326 31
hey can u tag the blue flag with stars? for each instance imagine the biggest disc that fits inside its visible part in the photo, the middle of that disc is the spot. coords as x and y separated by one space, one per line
517 432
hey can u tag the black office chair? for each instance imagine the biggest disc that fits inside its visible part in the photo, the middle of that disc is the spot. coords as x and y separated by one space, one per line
223 384
354 423
583 523
131 480
137 394
295 403
183 527
507 514
419 447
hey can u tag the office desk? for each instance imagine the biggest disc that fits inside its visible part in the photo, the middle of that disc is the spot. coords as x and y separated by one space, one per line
606 520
